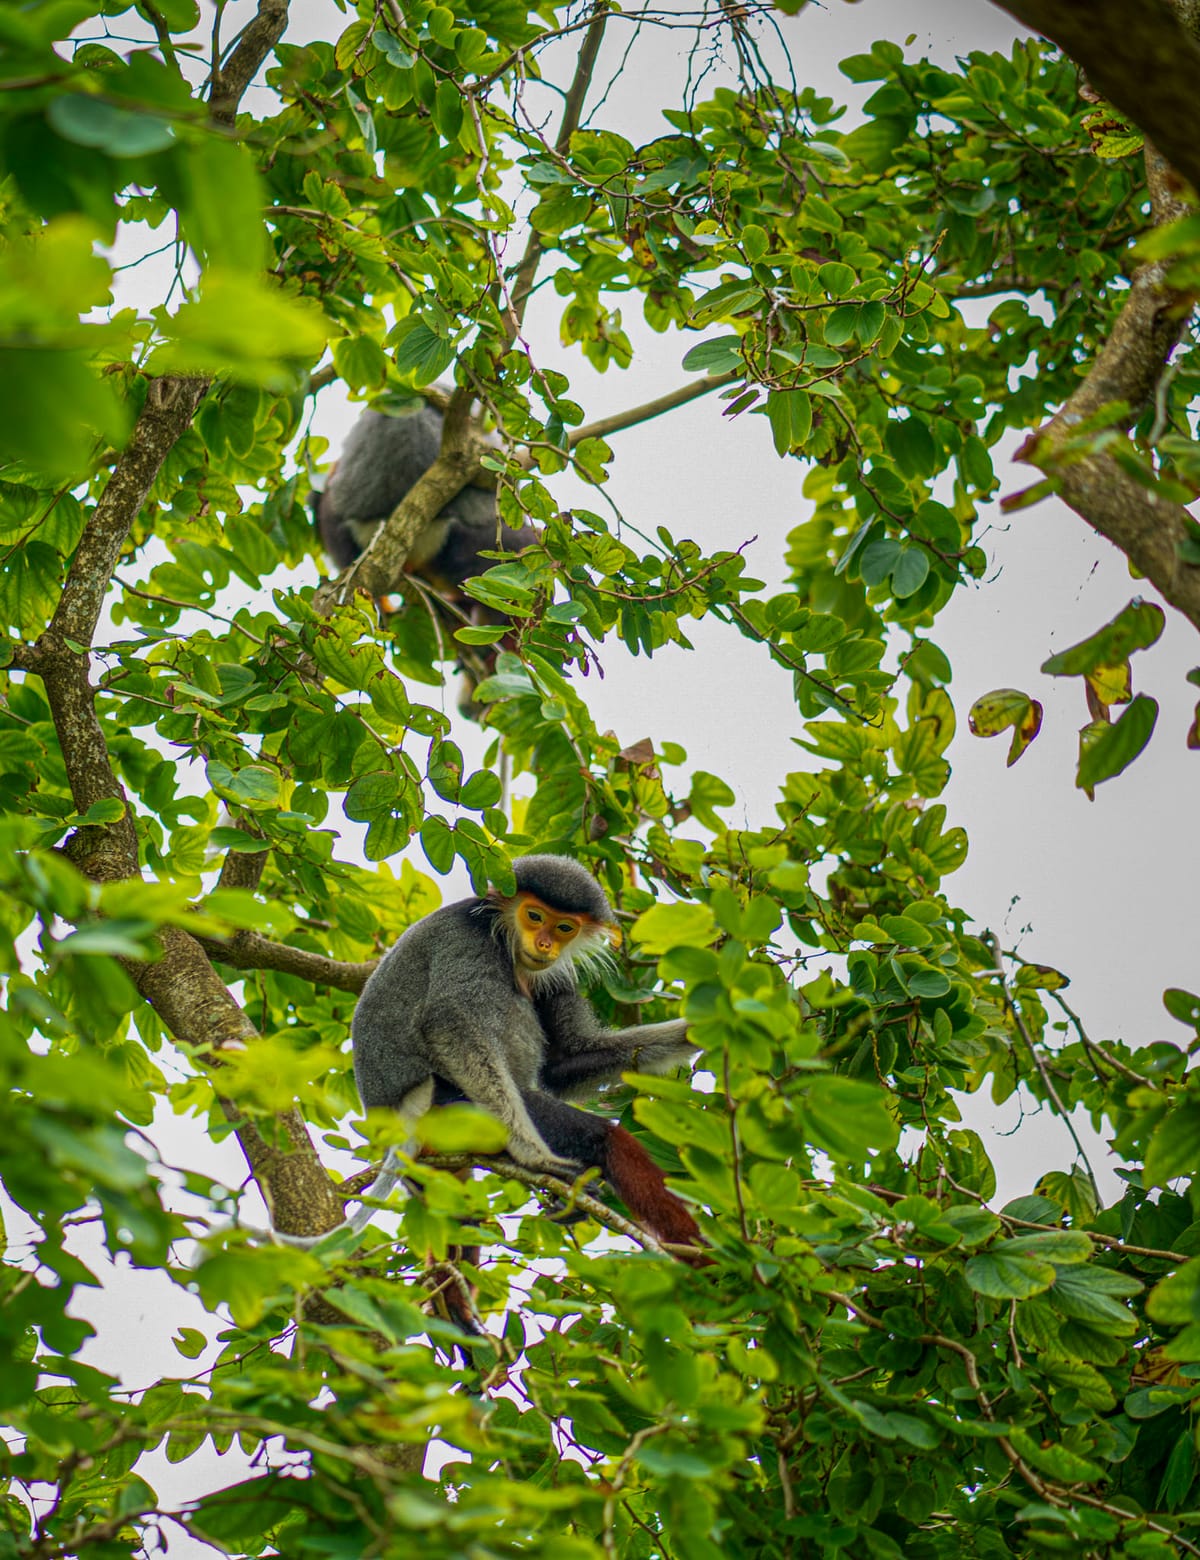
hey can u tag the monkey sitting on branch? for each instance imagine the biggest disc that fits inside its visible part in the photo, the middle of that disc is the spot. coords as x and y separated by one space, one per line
479 1002
381 460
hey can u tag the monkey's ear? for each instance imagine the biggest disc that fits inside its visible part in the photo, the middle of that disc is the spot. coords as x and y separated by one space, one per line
614 936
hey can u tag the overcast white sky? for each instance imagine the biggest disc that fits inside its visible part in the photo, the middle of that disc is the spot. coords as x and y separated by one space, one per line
1102 890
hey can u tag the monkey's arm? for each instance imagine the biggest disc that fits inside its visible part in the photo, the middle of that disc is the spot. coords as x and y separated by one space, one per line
472 1060
581 1055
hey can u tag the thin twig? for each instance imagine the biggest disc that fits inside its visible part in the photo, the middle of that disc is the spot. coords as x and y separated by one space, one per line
1043 1071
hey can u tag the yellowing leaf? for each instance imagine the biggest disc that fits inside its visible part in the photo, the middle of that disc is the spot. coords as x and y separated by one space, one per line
674 926
1111 684
1004 708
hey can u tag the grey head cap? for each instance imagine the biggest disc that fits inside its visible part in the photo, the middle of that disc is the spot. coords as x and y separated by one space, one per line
561 882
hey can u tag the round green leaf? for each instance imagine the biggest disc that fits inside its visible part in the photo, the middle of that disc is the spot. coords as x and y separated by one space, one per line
910 573
1005 1275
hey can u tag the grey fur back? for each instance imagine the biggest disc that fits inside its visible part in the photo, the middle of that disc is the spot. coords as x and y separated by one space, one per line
443 993
382 458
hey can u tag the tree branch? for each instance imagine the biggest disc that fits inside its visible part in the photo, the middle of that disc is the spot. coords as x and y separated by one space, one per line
182 987
602 427
170 406
243 869
1146 527
1144 59
60 657
253 951
259 37
378 569
585 65
570 1194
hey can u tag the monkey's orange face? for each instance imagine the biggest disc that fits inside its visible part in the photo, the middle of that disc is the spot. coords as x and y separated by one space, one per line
544 933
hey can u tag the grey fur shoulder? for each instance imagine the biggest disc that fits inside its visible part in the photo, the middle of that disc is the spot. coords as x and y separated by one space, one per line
384 456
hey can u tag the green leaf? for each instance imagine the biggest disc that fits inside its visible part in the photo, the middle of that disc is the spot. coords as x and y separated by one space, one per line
253 786
90 121
445 769
1106 750
110 810
245 327
1175 1300
717 356
1180 1472
911 446
371 796
124 940
448 109
902 929
1059 1246
437 842
190 1343
1003 1274
837 279
222 208
1033 1210
878 559
1056 1460
459 1129
848 1118
483 789
674 926
910 573
973 1223
755 242
1149 1402
386 837
840 325
930 984
707 792
1175 1146
360 361
34 386
419 352
1136 627
1182 1005
1072 1192
790 414
245 1279
180 16
1091 1294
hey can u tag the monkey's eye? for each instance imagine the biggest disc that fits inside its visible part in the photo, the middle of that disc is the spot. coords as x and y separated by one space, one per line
566 929
535 917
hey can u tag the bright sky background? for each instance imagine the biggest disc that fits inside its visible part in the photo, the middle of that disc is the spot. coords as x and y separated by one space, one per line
1097 889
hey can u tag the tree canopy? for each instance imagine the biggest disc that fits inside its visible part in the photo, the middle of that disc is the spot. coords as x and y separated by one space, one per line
227 790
